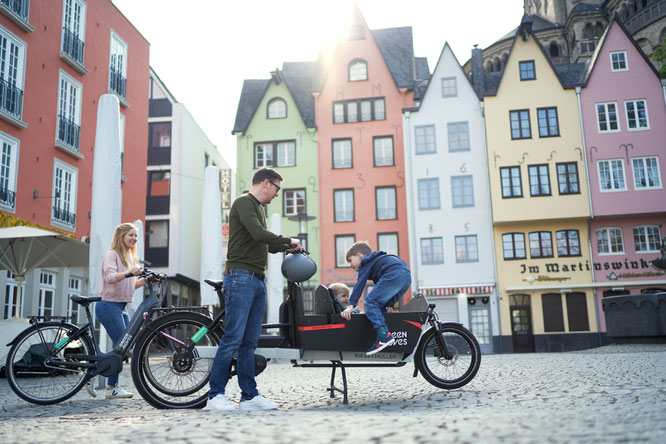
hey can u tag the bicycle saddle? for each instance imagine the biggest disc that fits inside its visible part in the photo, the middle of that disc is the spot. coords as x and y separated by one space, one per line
85 300
216 284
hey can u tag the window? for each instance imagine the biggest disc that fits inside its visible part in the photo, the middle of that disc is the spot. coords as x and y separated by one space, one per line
12 61
527 70
462 191
69 112
74 29
466 249
388 242
46 293
458 136
276 109
511 184
611 175
74 289
159 184
357 70
567 178
386 203
362 110
548 125
553 315
637 115
343 203
568 243
618 61
294 202
520 124
425 139
428 190
342 244
577 312
449 87
383 151
646 173
647 239
160 135
513 245
11 293
539 180
8 171
118 66
541 244
432 251
266 154
609 241
342 153
64 195
157 234
607 117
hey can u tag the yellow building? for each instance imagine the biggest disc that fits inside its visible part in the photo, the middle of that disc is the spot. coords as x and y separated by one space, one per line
540 201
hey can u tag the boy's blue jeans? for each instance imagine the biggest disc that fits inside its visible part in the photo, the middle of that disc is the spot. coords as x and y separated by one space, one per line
113 316
245 301
386 292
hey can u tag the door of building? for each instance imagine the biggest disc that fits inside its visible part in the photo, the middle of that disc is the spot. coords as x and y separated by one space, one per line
521 323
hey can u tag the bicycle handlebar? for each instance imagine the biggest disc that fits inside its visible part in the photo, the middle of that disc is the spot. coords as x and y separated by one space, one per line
152 276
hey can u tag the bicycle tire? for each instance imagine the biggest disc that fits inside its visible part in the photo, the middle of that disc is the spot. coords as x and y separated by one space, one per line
28 375
449 373
165 379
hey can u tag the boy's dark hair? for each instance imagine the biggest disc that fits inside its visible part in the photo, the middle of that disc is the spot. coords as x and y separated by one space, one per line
361 247
266 173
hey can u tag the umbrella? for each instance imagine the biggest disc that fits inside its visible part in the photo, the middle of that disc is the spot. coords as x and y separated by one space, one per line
211 235
25 248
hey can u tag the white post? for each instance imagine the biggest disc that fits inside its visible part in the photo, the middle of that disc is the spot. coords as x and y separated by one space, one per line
274 287
211 235
138 293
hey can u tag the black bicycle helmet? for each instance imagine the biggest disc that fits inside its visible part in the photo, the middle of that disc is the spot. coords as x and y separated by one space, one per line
298 267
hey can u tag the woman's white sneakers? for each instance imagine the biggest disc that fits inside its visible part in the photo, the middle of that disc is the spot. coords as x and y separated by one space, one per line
117 393
220 403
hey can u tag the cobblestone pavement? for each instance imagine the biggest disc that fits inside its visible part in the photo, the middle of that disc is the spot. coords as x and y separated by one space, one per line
611 394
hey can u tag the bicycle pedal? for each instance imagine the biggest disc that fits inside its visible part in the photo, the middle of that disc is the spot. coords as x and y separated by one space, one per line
90 390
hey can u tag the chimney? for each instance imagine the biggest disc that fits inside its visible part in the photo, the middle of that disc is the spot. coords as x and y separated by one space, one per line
477 71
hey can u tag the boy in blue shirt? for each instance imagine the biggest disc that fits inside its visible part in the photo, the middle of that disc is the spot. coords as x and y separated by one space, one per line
392 278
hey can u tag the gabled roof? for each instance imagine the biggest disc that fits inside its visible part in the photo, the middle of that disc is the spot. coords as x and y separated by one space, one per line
251 94
299 77
600 45
163 86
538 24
585 7
424 86
397 48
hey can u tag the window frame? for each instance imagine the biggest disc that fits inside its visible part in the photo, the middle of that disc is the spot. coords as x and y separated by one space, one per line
514 237
374 150
637 119
353 205
522 71
71 203
286 198
568 175
539 178
73 290
643 160
379 189
122 44
68 23
644 229
607 120
271 103
458 140
466 237
73 116
433 253
568 245
606 232
344 263
465 178
9 170
19 79
425 137
46 287
518 113
386 234
612 178
510 169
541 240
274 153
612 62
429 198
549 132
351 153
359 111
151 138
353 63
446 89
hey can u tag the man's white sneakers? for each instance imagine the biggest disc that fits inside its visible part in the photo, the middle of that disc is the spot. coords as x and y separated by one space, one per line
258 403
219 403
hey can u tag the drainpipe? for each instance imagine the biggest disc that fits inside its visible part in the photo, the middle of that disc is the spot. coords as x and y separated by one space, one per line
407 137
663 87
589 221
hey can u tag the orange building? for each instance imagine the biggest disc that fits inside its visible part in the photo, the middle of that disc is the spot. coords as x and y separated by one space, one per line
363 87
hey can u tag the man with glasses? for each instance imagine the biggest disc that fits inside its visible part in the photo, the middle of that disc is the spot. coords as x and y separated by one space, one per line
245 292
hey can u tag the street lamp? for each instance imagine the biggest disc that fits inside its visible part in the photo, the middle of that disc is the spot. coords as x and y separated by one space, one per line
302 219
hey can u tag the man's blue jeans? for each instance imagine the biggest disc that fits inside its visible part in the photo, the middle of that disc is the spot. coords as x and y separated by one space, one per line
386 292
113 317
244 304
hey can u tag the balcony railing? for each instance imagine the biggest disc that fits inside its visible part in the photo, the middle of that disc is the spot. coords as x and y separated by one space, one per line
68 132
645 16
7 197
72 45
117 82
64 217
19 7
11 99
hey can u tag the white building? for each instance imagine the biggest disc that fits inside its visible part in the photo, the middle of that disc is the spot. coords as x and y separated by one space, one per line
450 221
178 153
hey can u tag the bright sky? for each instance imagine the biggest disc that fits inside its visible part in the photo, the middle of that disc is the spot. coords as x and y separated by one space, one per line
204 49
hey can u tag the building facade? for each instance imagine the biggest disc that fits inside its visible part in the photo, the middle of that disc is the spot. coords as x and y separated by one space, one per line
178 152
58 58
450 220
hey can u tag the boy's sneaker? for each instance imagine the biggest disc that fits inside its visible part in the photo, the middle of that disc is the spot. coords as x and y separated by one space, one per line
117 393
219 403
257 403
380 344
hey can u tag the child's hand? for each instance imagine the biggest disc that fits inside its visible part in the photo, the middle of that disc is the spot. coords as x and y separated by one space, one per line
346 314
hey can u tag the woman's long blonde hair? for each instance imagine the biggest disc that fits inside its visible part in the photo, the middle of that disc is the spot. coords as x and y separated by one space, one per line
118 245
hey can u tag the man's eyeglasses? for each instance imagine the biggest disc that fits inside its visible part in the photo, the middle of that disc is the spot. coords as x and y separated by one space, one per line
277 187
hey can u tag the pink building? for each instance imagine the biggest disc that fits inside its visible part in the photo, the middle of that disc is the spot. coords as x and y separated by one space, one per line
624 118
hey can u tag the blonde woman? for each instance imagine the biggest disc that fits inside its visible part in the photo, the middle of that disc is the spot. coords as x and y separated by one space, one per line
119 270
